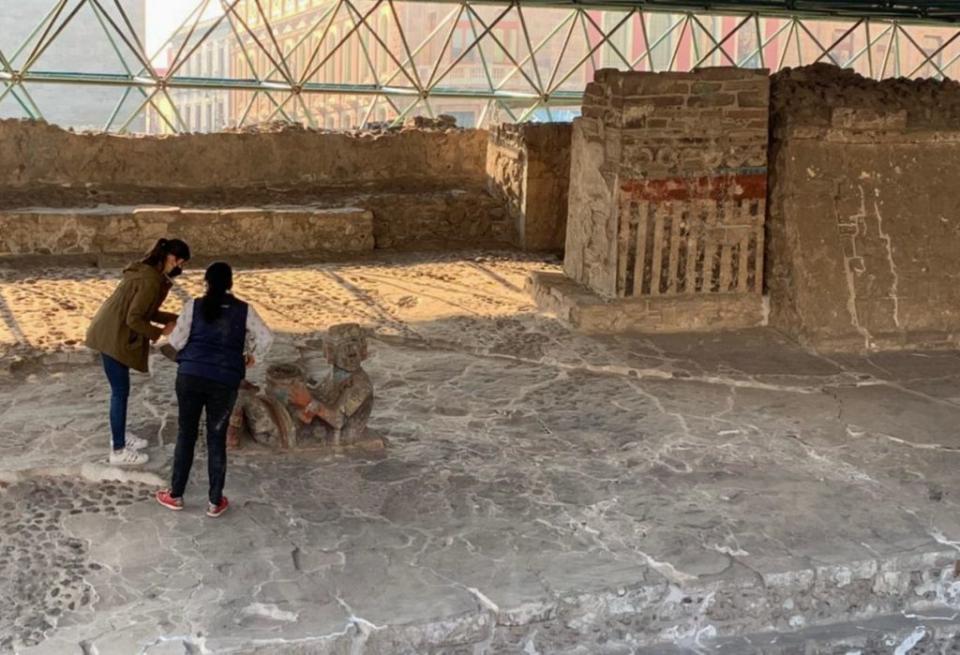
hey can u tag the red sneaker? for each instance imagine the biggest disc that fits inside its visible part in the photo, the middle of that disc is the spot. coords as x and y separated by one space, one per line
164 498
214 511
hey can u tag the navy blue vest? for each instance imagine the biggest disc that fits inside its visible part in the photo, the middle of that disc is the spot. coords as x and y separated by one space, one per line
215 349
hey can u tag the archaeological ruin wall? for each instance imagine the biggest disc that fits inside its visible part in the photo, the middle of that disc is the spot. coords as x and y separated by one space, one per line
864 219
667 203
528 168
67 193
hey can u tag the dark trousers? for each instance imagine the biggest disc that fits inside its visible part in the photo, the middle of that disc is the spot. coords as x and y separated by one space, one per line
118 375
194 395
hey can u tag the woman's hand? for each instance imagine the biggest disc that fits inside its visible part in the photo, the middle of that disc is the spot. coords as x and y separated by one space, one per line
168 328
249 360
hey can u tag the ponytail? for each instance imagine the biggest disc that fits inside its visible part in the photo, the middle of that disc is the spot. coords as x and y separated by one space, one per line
219 278
162 248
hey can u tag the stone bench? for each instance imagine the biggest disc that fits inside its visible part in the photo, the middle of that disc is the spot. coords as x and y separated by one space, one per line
114 229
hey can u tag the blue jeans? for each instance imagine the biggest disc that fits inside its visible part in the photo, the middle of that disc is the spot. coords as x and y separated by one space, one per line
118 375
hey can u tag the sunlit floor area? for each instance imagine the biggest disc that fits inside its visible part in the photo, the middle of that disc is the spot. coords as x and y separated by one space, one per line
540 492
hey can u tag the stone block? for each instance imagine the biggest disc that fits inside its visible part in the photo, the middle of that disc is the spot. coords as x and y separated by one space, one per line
712 100
702 88
588 312
753 99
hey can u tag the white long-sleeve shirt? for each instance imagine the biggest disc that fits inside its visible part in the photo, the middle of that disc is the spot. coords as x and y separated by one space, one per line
257 343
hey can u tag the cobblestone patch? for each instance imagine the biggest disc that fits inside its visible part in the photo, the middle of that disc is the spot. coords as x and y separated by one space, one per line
42 567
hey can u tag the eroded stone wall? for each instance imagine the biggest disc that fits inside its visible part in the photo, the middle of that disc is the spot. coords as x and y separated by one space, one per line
528 168
864 221
36 155
424 187
668 185
247 231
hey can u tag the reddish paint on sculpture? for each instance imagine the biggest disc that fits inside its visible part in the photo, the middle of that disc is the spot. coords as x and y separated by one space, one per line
718 188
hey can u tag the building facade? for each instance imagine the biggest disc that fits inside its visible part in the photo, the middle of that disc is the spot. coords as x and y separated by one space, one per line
196 109
534 55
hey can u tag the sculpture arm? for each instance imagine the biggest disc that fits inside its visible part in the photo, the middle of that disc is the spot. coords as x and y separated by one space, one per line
355 395
330 415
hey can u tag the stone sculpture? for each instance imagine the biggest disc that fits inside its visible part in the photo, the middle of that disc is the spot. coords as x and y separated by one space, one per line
293 411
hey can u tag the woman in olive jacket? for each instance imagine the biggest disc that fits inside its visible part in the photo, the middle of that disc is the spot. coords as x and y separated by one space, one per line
122 331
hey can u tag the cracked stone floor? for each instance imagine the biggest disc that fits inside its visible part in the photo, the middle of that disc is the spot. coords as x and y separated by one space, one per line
542 492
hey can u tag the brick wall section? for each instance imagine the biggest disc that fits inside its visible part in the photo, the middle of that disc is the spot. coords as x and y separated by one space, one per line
528 168
668 184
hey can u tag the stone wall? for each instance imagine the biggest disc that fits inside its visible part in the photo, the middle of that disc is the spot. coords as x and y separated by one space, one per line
424 187
36 155
246 231
528 168
864 228
668 186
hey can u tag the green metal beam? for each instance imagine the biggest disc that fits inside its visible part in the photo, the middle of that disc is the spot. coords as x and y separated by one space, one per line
230 84
947 11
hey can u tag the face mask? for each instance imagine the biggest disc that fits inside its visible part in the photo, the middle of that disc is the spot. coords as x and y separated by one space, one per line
175 272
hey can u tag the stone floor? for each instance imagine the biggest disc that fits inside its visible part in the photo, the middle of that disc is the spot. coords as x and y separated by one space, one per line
542 492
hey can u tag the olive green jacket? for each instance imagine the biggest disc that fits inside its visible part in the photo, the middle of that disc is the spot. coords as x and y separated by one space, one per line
123 327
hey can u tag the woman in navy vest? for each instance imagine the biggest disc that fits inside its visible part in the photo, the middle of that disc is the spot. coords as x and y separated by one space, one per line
218 337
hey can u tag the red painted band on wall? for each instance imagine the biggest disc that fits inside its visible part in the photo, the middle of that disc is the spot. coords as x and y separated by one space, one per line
717 188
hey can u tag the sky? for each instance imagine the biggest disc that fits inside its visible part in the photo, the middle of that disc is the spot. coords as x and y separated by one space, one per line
165 16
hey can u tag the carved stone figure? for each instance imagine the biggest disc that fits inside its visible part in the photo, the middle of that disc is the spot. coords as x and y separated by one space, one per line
294 411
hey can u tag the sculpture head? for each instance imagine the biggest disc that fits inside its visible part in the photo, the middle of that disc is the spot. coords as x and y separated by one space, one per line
346 346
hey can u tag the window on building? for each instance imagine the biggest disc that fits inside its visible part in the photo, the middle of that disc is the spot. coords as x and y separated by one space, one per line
458 43
748 55
332 66
879 57
842 52
383 58
509 37
934 44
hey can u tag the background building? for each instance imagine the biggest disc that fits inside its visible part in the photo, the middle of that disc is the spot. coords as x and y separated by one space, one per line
198 109
415 58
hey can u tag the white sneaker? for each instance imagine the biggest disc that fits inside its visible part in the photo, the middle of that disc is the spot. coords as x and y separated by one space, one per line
128 457
135 443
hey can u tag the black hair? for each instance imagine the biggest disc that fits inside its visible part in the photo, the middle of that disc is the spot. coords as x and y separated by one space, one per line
219 278
163 247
